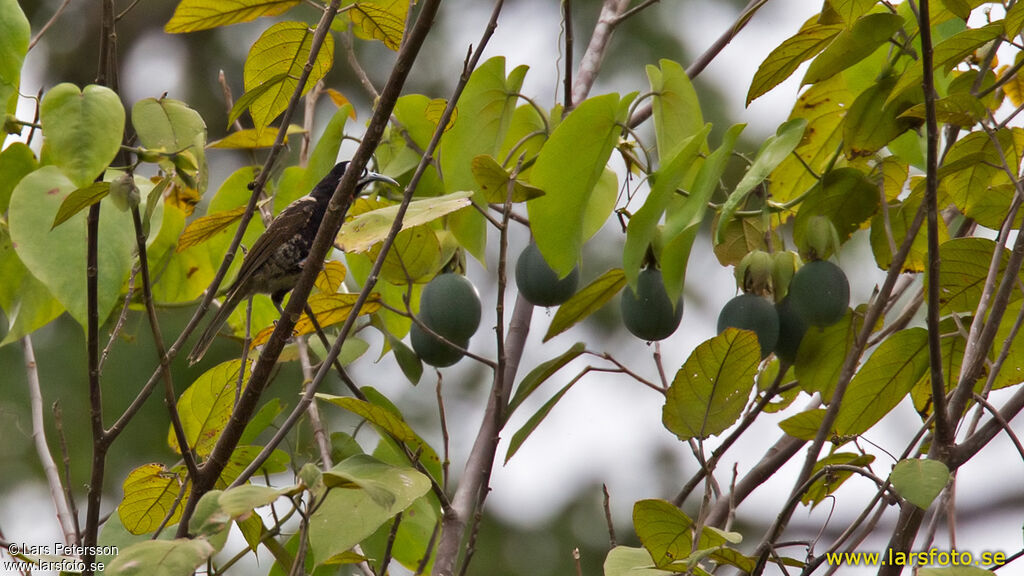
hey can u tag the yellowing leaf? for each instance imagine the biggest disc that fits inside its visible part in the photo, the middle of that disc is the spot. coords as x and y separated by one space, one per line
79 200
202 229
193 15
382 20
275 63
341 101
206 405
251 138
435 109
149 493
493 181
331 277
329 309
1013 87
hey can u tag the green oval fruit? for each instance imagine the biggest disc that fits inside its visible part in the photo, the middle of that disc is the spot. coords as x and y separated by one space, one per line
539 284
450 306
433 351
820 293
791 331
648 313
751 312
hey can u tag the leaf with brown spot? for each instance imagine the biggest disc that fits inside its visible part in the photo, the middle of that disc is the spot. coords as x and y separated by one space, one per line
202 229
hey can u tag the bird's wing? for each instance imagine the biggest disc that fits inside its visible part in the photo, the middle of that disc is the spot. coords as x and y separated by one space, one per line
293 218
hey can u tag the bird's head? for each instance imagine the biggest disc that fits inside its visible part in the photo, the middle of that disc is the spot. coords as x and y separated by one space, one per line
330 182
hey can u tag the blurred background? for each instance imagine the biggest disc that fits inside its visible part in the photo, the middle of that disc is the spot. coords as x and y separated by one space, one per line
607 430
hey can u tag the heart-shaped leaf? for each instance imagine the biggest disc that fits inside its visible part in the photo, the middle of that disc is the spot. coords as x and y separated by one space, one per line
82 130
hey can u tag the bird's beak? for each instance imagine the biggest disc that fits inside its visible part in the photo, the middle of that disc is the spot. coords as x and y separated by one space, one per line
374 177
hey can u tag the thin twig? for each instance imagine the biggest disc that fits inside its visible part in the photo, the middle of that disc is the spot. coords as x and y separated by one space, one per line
57 489
60 10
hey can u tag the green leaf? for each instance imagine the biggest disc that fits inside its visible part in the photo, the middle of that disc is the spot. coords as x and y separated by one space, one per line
676 109
900 217
251 139
275 63
328 537
845 196
787 57
683 219
853 45
206 405
965 263
567 169
629 561
392 424
26 302
168 125
493 181
851 10
260 421
1014 20
485 112
14 39
57 257
948 53
80 200
643 225
831 481
587 301
195 15
824 106
710 390
665 531
872 123
774 150
541 373
958 109
179 557
361 232
150 491
822 352
82 130
919 480
804 425
533 421
883 381
16 161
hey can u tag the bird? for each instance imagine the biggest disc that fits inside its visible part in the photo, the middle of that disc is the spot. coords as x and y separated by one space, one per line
275 261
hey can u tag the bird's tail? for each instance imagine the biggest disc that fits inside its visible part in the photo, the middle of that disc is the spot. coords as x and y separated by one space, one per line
232 300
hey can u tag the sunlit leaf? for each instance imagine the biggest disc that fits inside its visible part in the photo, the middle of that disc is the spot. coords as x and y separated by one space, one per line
194 15
149 493
329 309
435 110
202 229
787 57
853 45
494 179
275 63
883 381
382 20
205 406
675 107
331 277
250 138
361 232
948 53
587 301
710 390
